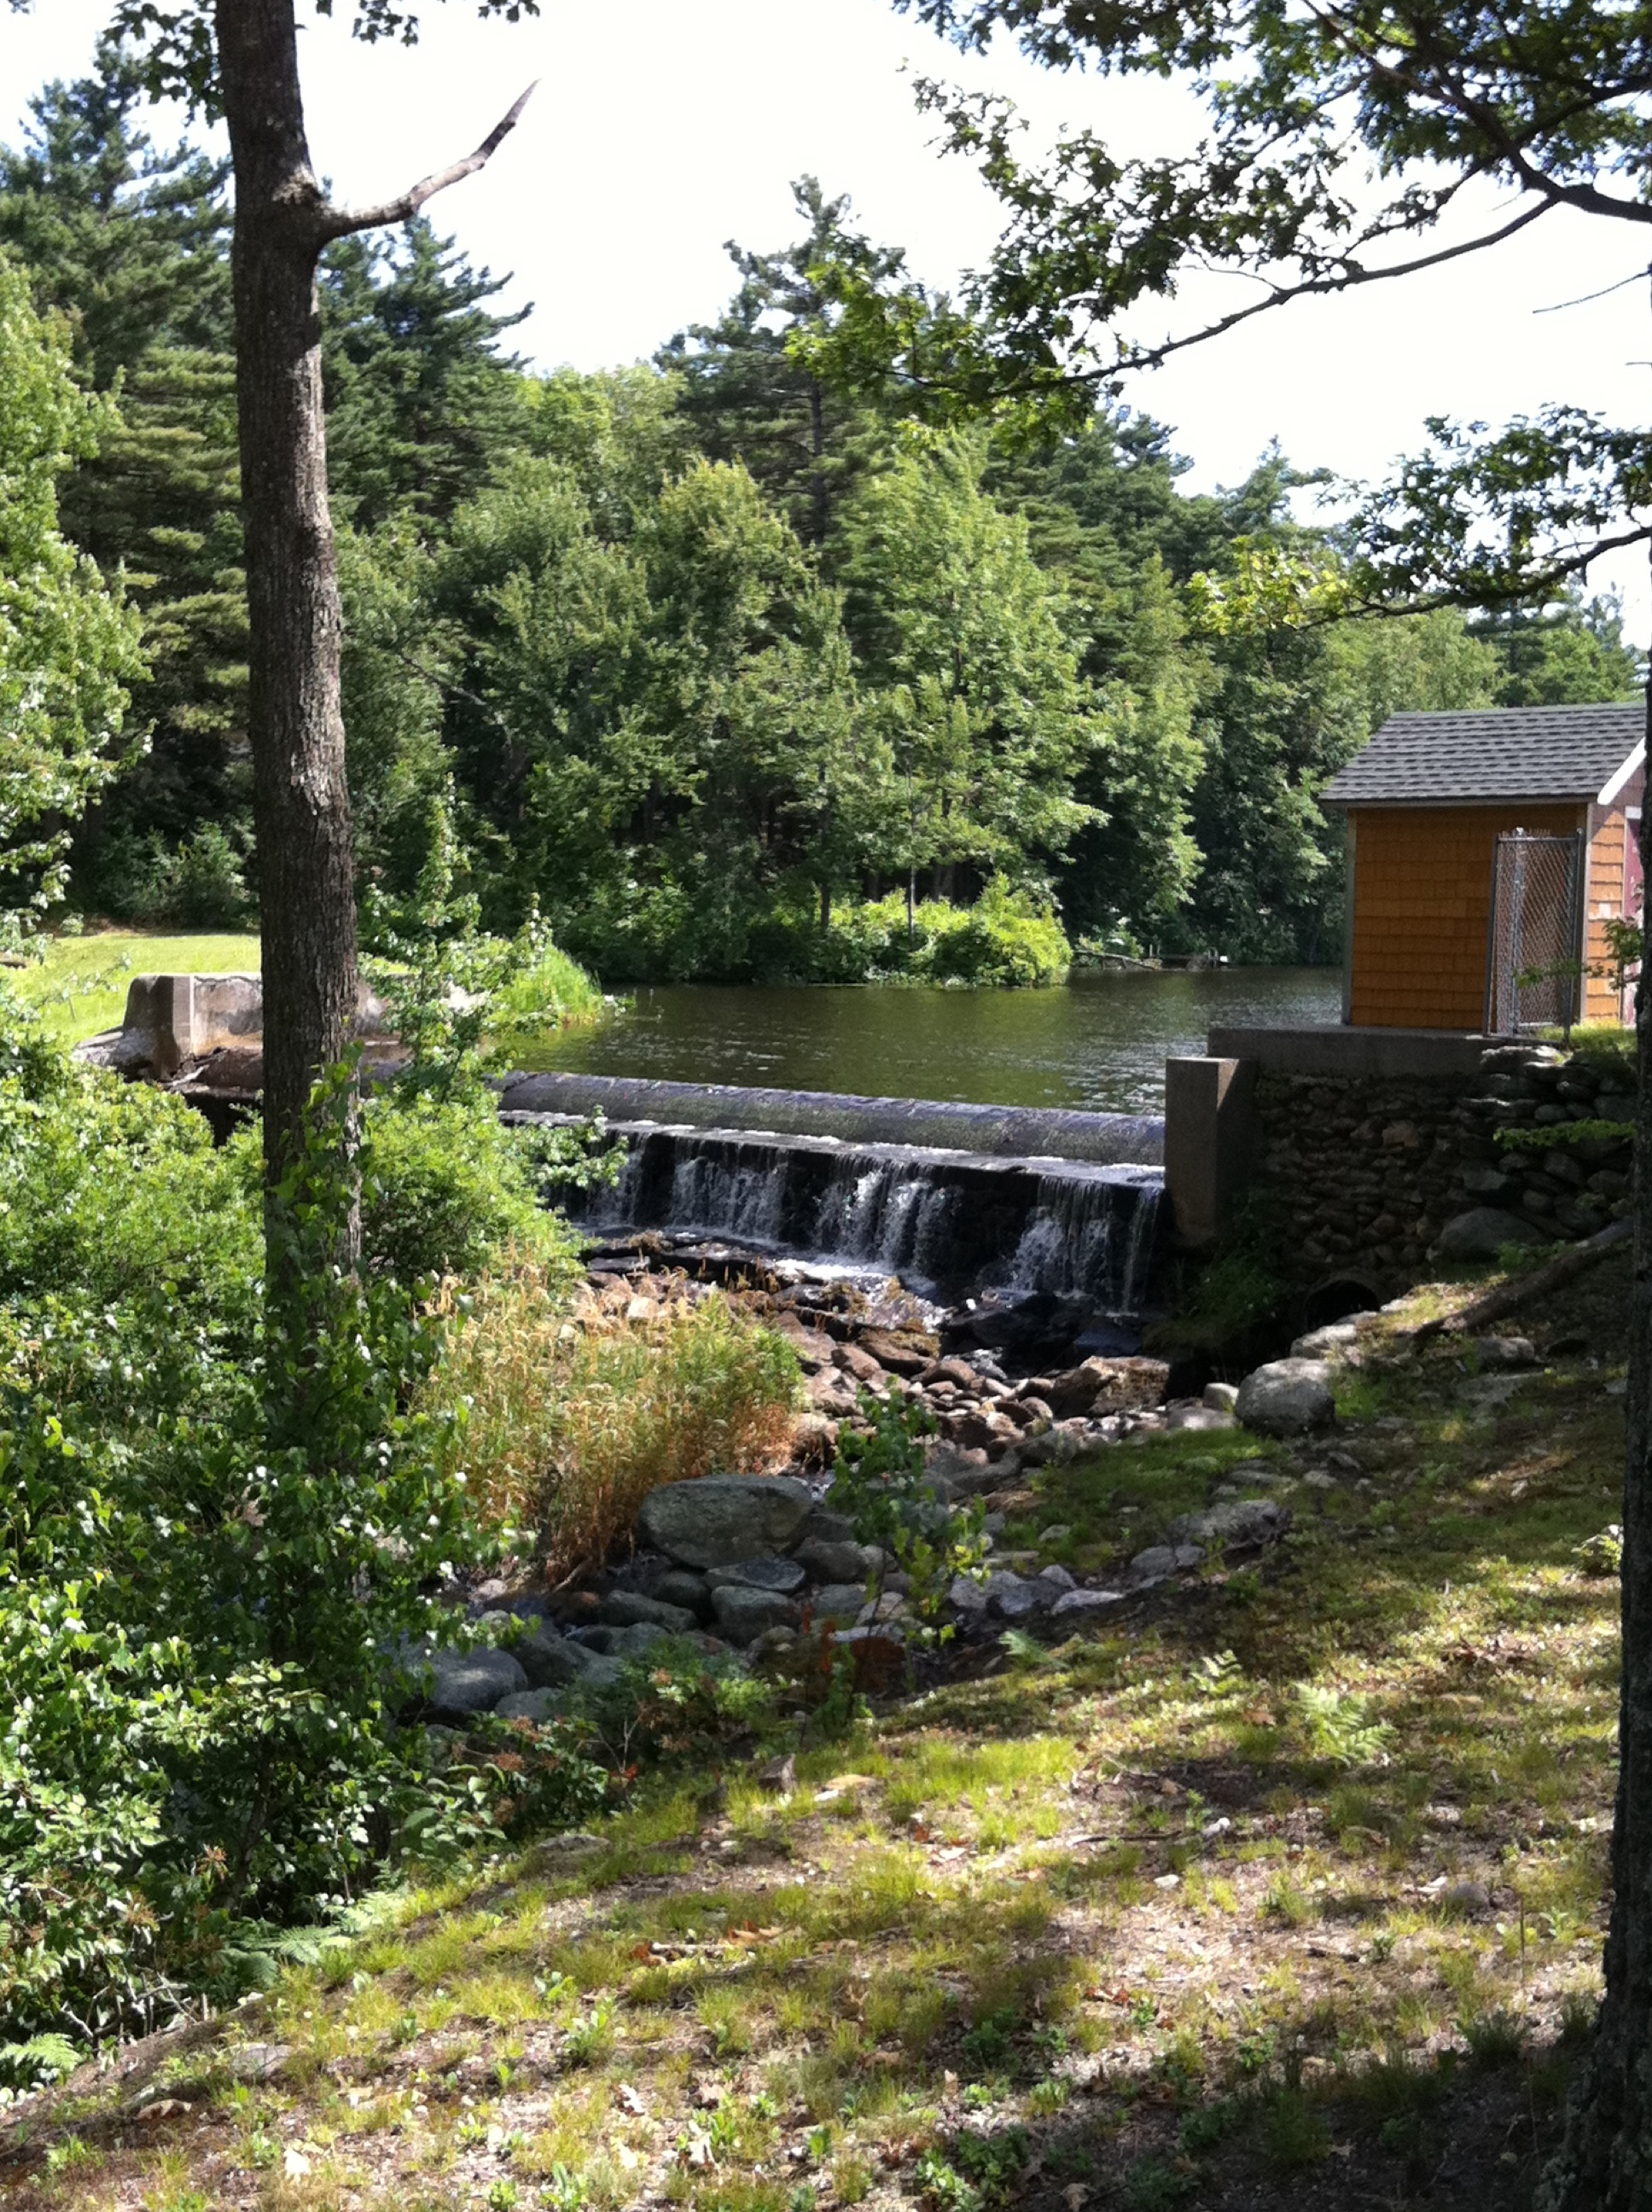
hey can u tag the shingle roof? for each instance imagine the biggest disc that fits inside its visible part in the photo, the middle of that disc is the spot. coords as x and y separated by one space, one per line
1501 752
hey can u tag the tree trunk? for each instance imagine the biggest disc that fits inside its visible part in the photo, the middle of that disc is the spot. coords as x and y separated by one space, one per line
1605 2163
295 721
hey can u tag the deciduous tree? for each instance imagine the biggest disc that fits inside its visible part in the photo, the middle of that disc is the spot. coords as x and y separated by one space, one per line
239 58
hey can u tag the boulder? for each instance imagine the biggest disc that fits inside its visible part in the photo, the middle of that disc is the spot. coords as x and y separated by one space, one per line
1337 1336
1482 1232
1506 1352
1287 1397
1056 1577
623 1608
821 1526
685 1590
465 1682
1011 1597
724 1518
831 1563
1200 1417
622 1644
1236 1522
538 1705
967 1595
1220 1397
743 1614
1106 1386
1076 1604
840 1602
548 1660
784 1575
1160 1560
900 1354
830 1393
860 1364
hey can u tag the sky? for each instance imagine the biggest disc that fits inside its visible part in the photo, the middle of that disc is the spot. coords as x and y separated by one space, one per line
661 128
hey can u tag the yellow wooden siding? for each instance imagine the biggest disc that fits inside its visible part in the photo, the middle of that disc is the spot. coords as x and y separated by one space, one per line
1422 900
1605 900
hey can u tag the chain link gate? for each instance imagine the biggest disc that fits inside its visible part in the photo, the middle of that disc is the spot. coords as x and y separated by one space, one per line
1534 957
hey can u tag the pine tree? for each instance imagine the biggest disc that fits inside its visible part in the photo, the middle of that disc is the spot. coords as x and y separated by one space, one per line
421 402
748 397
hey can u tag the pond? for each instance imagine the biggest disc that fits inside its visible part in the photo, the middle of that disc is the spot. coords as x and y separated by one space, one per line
1100 1042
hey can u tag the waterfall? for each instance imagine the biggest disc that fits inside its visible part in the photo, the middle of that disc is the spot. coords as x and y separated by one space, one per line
946 1221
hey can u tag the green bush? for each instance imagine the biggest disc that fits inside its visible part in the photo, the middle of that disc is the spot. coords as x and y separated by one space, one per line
445 1187
1007 938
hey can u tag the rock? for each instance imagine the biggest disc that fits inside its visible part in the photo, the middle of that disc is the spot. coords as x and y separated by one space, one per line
860 1365
1287 1397
1325 1343
1465 1898
1220 1397
684 1590
1241 1521
624 1609
967 1595
1106 1386
831 1563
821 1526
743 1614
1199 1417
958 1372
1482 1232
813 1346
813 1437
781 1576
538 1706
1057 1533
1056 1577
771 1643
464 1682
620 1643
724 1518
900 1354
1077 1603
1506 1352
830 1393
890 1606
840 1602
548 1660
1013 1598
1160 1560
963 1473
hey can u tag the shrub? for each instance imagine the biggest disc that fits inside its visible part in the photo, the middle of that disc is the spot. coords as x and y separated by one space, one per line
1007 938
445 1186
574 1426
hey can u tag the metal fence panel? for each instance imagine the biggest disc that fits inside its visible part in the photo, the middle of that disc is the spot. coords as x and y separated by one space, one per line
1533 967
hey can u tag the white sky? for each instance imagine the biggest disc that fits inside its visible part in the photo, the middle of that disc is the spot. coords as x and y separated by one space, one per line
662 127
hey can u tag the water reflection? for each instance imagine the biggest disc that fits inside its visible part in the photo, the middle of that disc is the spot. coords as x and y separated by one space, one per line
1100 1042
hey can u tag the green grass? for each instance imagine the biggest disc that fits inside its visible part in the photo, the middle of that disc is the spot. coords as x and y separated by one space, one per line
81 984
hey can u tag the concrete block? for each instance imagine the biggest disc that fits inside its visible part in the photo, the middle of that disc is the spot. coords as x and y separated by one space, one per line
1209 1139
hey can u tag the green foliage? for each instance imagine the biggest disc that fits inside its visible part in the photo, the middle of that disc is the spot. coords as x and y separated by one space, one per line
1006 937
878 1480
1562 1135
66 641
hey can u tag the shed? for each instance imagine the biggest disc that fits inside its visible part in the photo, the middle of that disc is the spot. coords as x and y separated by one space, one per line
1437 880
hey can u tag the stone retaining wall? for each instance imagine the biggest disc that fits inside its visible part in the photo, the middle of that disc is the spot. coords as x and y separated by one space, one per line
1362 1173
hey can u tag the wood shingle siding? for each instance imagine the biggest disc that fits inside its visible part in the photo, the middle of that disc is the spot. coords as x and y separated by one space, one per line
1422 902
1605 900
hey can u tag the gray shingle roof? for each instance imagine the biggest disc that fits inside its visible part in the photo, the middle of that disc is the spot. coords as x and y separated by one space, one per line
1500 752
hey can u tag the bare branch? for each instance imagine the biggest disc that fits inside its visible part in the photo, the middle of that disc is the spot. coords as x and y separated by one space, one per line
340 222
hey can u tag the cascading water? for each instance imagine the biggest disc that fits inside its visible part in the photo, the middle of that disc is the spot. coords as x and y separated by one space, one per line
944 1220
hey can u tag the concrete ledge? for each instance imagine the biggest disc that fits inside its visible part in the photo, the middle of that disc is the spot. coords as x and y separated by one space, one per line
1014 1131
1330 1048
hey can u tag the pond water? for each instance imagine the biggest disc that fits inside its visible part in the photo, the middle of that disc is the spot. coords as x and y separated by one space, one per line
1100 1042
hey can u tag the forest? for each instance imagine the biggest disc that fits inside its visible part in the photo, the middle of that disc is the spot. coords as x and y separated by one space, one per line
749 662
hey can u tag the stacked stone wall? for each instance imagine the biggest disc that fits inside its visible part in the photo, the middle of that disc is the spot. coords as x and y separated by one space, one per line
1362 1174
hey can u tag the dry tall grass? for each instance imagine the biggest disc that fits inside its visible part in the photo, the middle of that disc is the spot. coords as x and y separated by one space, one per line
573 1418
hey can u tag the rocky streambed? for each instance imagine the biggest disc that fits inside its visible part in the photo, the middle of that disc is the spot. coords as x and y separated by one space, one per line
770 1570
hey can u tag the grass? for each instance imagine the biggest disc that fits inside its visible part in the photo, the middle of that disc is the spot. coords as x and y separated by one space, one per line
81 984
572 1423
1286 1892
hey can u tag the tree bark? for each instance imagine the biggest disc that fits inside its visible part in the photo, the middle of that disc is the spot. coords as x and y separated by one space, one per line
1606 2162
294 720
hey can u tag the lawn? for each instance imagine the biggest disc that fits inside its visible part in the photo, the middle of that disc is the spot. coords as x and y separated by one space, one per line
81 984
1287 1891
